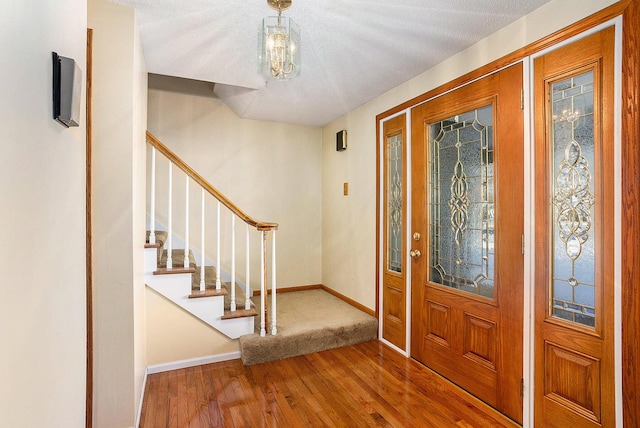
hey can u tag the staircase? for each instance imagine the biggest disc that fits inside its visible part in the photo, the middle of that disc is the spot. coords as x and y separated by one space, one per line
200 288
313 320
182 286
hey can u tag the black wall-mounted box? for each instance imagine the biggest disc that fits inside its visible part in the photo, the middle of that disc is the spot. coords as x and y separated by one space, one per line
67 86
341 140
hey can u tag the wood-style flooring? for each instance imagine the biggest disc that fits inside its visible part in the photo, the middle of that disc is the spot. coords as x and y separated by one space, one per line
361 385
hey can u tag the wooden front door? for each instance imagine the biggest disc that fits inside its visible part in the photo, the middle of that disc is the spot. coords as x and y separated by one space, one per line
574 363
467 222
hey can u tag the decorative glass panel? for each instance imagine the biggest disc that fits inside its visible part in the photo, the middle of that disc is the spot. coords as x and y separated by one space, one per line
462 202
394 204
573 283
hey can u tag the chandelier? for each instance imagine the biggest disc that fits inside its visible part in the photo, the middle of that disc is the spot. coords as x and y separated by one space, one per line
279 44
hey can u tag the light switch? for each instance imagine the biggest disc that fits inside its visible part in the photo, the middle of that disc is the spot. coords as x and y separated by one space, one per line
345 188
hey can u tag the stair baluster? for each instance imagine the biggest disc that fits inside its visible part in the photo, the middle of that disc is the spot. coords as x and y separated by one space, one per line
233 263
263 290
247 282
218 269
186 222
169 219
152 208
202 258
274 328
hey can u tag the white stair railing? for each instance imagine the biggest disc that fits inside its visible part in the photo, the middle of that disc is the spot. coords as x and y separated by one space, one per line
170 219
247 274
233 263
263 288
152 199
202 252
228 236
186 221
218 282
274 329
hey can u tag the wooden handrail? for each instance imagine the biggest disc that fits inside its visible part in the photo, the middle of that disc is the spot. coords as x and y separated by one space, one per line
260 225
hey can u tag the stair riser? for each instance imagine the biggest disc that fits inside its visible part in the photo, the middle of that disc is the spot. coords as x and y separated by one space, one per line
177 288
150 260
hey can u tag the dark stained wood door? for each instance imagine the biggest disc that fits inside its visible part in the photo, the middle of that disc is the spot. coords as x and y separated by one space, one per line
574 362
467 266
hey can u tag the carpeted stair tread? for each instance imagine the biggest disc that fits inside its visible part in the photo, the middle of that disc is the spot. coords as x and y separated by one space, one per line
209 278
177 256
308 321
177 259
196 294
161 238
173 270
210 285
240 300
239 313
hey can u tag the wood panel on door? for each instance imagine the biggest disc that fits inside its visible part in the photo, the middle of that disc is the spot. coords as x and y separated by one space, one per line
394 328
574 363
467 204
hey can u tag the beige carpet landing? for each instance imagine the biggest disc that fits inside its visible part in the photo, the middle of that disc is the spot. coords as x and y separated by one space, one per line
308 321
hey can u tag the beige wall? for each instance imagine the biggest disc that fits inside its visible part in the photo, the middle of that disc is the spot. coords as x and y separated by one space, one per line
42 194
173 334
349 222
119 121
138 158
270 170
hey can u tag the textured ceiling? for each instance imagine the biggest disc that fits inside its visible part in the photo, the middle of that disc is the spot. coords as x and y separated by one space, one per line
352 50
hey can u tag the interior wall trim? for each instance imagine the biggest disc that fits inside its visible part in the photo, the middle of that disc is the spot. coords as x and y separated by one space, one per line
581 26
192 362
630 214
352 302
89 239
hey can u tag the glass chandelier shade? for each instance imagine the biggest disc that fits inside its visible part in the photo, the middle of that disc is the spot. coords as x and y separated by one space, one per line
279 48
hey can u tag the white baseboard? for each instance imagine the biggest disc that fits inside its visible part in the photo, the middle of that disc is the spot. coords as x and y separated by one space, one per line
144 387
158 368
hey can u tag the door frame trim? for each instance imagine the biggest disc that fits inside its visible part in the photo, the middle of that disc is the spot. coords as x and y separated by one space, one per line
89 237
380 226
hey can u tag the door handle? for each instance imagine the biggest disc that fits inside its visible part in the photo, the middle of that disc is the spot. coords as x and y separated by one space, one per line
415 254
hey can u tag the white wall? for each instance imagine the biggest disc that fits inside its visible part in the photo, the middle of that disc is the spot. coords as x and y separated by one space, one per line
42 216
119 122
349 222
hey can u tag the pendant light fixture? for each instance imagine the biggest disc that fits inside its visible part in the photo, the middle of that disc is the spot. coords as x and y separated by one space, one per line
279 44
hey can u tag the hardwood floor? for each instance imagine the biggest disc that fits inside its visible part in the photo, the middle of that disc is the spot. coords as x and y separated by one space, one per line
361 385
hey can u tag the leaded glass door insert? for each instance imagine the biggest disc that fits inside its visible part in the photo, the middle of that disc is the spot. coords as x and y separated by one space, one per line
572 148
462 202
394 203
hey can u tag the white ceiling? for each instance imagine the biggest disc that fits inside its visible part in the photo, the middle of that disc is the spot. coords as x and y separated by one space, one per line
352 50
